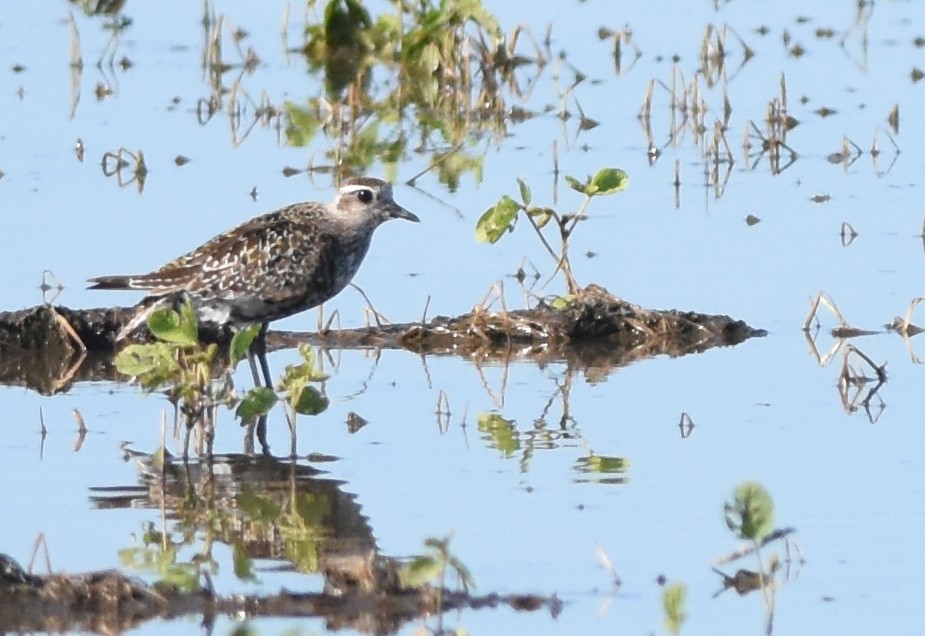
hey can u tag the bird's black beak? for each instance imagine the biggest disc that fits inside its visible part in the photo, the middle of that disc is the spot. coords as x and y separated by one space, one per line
398 212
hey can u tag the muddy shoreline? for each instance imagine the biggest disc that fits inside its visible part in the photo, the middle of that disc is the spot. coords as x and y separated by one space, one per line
47 347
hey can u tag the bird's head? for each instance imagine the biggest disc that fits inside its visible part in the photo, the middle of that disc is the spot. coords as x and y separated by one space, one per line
368 200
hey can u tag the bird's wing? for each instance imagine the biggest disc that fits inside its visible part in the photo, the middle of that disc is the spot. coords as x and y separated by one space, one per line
265 256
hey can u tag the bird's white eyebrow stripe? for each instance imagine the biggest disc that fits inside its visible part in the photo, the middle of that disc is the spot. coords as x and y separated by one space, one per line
355 187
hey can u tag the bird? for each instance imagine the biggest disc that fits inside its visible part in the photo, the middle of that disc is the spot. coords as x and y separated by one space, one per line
272 266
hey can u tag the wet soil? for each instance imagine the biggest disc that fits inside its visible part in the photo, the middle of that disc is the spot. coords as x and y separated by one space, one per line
46 347
109 602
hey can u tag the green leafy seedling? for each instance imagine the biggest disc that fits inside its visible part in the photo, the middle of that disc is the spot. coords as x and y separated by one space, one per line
304 399
673 602
153 364
502 217
751 512
310 402
242 564
256 403
425 568
605 181
497 220
609 181
420 571
604 464
240 343
525 195
501 432
181 327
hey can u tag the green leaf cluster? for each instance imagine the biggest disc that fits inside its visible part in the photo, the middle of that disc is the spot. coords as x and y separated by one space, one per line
603 464
501 432
186 368
240 344
503 216
425 569
177 360
604 182
255 403
445 62
160 555
303 398
302 523
750 514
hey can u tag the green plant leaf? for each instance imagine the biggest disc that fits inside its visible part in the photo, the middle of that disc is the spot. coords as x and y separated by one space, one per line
561 302
576 185
608 181
751 513
257 508
497 220
302 123
462 571
420 571
294 383
541 216
153 364
258 401
242 564
673 600
310 402
138 359
429 58
603 464
311 370
525 194
499 432
170 326
240 343
475 11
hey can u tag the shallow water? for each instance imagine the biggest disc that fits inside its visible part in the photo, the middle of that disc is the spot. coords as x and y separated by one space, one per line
524 518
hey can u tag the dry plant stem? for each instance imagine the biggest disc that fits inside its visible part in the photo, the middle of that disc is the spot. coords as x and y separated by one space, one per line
562 263
68 330
81 431
378 317
40 542
879 370
908 320
780 533
293 435
413 180
546 244
768 596
565 231
163 481
823 298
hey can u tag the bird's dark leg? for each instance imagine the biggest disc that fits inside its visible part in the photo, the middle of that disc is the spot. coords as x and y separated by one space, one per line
261 341
258 351
262 434
253 366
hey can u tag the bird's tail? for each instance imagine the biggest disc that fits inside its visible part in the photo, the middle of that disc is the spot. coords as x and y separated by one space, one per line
112 282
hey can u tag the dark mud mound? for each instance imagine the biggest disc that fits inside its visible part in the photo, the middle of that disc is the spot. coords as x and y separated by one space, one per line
596 328
47 348
108 602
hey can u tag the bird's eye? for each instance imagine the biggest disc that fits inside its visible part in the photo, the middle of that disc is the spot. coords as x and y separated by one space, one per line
365 196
